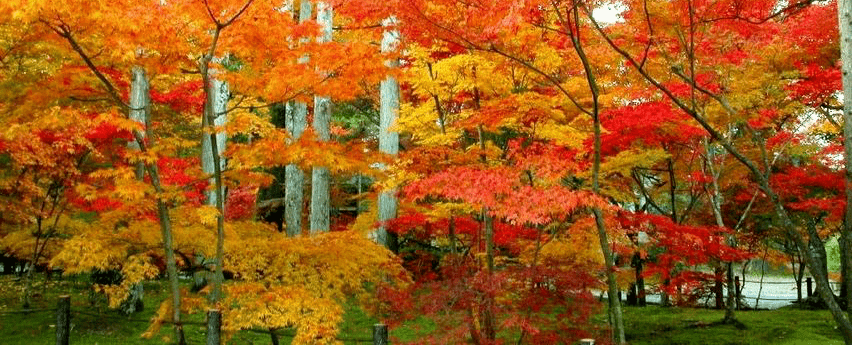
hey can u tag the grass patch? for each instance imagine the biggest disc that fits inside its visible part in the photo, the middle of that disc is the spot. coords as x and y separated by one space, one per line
649 325
97 325
688 326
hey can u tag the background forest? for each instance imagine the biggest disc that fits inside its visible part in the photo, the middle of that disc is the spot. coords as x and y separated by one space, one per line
494 166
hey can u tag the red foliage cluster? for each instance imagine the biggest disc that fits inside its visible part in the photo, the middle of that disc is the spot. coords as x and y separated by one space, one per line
684 245
652 123
185 97
817 83
178 172
548 303
814 189
240 204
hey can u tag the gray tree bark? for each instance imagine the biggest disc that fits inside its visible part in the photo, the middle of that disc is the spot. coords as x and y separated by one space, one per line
218 99
320 201
214 113
716 204
140 109
296 121
388 140
844 14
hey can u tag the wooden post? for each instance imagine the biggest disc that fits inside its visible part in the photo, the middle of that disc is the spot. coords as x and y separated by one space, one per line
587 341
214 327
380 334
810 286
63 320
737 290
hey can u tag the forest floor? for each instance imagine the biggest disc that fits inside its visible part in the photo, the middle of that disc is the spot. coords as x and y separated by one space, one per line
694 326
648 325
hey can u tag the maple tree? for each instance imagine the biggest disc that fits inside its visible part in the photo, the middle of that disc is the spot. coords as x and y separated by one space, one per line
510 136
71 30
731 18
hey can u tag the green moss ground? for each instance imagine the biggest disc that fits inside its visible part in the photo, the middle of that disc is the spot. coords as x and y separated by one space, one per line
649 325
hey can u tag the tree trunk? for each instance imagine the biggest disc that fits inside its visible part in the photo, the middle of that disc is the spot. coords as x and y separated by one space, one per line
716 204
166 231
799 275
215 109
816 248
615 314
638 264
293 175
153 172
844 14
139 110
490 323
274 337
388 140
845 275
28 278
812 260
297 115
162 207
612 285
168 249
217 97
320 203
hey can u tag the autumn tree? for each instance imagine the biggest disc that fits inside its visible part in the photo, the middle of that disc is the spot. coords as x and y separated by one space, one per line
756 16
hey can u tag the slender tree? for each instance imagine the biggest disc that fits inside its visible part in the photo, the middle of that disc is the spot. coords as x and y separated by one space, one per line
844 14
296 121
218 99
320 203
140 111
388 140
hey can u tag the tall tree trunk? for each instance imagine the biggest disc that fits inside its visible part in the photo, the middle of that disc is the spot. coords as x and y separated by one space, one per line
140 111
320 203
162 207
297 119
168 249
488 314
293 176
570 18
217 97
844 14
716 205
388 140
799 275
28 278
844 243
816 247
215 109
